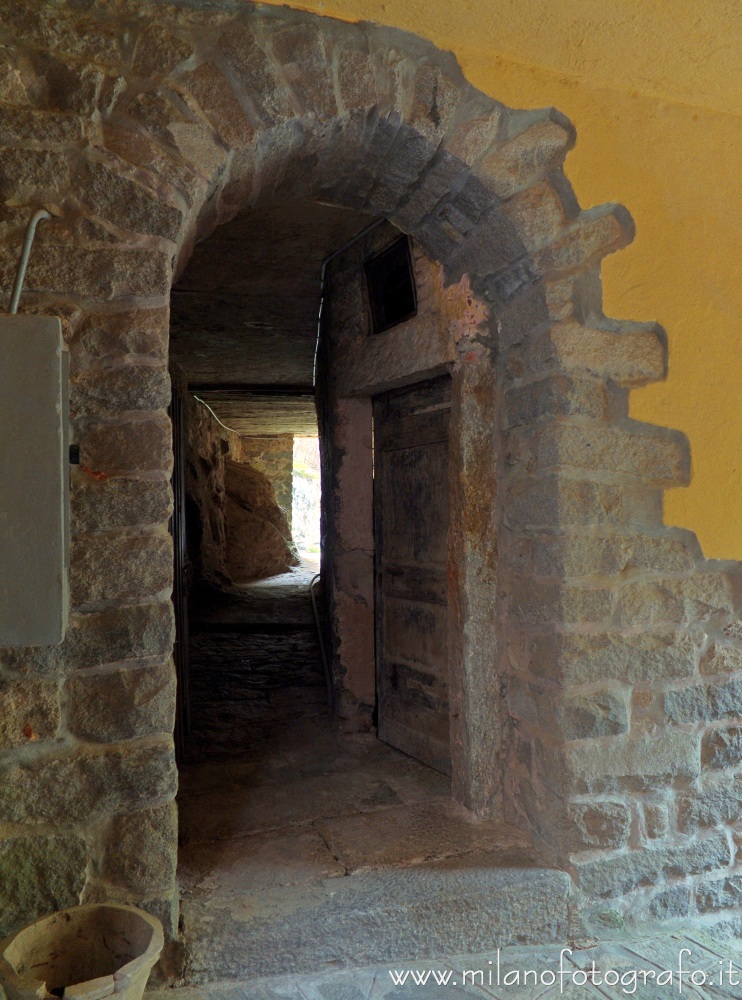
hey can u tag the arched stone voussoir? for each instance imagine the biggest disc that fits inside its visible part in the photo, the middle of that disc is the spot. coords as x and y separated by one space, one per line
261 112
153 162
163 117
541 213
330 160
495 235
414 77
285 68
593 235
479 164
375 67
242 49
207 87
446 194
158 50
531 145
433 101
408 159
299 49
479 126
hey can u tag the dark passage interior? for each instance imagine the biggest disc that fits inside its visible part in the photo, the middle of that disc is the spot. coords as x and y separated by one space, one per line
298 829
243 337
255 664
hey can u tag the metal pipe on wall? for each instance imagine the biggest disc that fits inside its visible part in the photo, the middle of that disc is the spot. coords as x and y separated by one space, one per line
41 216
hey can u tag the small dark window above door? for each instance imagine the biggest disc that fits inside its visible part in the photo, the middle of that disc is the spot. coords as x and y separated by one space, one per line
391 285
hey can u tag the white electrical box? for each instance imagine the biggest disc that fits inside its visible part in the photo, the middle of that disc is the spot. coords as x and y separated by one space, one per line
34 481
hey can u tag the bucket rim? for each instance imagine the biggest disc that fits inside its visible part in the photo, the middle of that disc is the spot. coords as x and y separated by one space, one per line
9 977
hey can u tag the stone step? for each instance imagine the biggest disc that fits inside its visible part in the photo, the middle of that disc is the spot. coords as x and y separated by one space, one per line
243 681
285 602
257 659
477 902
704 953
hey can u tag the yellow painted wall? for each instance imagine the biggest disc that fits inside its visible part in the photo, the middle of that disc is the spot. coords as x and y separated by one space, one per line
654 88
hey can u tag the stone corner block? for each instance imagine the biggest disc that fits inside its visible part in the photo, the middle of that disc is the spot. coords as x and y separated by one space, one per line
141 849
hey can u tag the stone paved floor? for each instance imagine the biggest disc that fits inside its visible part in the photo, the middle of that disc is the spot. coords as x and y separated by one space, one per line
317 830
716 969
311 810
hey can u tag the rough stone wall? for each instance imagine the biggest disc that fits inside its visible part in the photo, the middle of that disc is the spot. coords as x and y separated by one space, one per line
87 810
209 446
623 642
354 365
617 648
274 457
258 541
245 534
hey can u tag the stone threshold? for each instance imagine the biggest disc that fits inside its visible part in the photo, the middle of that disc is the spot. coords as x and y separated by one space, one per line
715 965
333 850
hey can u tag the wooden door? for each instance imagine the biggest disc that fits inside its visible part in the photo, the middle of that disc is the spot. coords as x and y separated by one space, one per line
411 428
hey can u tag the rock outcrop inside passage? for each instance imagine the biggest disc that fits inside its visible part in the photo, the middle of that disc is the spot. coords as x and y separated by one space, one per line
258 534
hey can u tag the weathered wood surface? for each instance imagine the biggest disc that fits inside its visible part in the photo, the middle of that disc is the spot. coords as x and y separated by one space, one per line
411 526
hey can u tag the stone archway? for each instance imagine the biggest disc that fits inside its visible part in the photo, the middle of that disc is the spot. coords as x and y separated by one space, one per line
582 620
